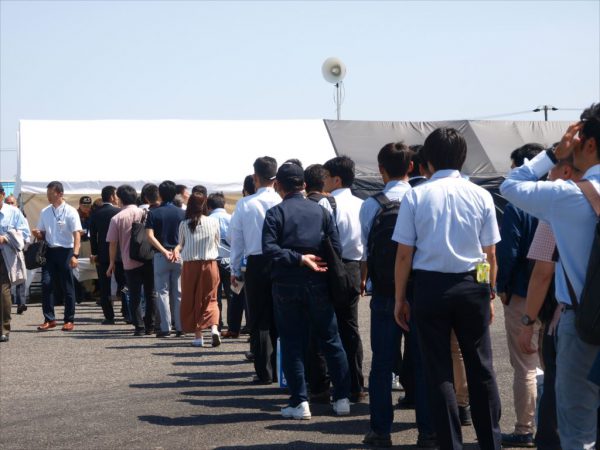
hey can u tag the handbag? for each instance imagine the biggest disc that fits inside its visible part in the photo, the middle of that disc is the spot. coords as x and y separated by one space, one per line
140 248
35 255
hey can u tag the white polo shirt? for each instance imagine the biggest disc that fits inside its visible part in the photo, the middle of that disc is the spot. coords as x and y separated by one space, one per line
59 224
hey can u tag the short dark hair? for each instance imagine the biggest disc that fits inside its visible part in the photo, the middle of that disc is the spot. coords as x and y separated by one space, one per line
417 159
249 185
199 189
590 117
294 161
149 193
167 191
395 158
127 194
265 168
445 148
107 192
528 151
343 167
180 188
215 200
56 186
313 177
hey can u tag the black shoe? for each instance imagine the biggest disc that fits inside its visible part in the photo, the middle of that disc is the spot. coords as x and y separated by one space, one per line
108 322
357 397
4 338
261 382
139 332
323 398
148 332
249 356
163 334
518 440
21 309
406 403
427 440
179 334
377 440
464 414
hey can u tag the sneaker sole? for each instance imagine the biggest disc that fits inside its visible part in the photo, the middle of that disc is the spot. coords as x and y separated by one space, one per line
216 340
341 413
286 416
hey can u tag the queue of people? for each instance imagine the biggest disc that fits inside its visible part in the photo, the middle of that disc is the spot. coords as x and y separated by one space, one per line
428 248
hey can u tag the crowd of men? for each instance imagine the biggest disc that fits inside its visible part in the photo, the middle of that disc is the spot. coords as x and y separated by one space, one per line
300 249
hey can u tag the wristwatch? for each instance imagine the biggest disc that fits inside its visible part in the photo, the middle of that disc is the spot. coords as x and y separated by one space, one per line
526 320
551 155
76 255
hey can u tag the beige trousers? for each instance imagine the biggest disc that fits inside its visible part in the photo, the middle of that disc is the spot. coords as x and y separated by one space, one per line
524 366
460 376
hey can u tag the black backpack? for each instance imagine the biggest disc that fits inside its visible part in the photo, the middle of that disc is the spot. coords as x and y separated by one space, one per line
381 249
140 248
587 310
317 197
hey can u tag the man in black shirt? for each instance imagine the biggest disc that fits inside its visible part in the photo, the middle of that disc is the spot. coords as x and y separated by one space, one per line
292 238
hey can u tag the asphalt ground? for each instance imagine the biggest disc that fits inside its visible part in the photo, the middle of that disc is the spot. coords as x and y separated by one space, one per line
98 387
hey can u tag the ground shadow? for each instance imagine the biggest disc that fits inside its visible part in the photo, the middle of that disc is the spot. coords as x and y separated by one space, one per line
208 419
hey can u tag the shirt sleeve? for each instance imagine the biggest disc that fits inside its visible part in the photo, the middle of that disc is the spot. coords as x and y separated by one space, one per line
150 221
366 216
272 228
112 235
543 245
405 231
489 234
236 239
74 221
181 234
40 224
523 189
22 225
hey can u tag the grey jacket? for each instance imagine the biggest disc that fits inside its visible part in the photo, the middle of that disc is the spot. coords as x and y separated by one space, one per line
12 253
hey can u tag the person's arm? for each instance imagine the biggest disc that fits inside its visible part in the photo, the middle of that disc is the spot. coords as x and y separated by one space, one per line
539 284
157 245
112 254
508 251
181 240
236 238
23 226
76 245
93 238
366 220
404 256
490 252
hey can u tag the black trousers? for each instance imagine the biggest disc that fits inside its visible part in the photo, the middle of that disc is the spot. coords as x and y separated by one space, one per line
104 287
446 301
224 288
546 436
263 333
136 279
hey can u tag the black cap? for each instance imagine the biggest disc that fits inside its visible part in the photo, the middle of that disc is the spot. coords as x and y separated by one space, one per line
290 173
85 200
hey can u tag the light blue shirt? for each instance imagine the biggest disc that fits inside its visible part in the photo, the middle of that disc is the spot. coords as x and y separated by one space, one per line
12 218
245 228
565 208
224 219
448 220
393 190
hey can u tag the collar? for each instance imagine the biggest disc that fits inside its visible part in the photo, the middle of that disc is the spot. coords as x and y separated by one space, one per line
341 191
293 195
594 170
446 173
394 183
218 210
166 204
264 189
130 206
58 207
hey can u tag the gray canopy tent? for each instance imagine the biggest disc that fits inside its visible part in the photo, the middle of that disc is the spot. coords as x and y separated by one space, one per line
489 144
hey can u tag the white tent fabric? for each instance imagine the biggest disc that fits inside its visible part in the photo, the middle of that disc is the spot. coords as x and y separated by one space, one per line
87 155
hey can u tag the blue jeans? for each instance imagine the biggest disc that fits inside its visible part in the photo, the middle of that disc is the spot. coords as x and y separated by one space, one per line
167 283
298 307
384 340
577 398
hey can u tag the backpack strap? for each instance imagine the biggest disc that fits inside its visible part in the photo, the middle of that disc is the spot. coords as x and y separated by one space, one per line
382 199
332 203
591 194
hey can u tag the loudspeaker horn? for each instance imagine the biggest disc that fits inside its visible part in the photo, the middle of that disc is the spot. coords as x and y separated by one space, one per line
334 70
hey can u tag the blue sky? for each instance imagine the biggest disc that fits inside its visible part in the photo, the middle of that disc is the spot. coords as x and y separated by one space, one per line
262 60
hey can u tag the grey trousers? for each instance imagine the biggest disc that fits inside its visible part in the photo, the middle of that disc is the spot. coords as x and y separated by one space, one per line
167 283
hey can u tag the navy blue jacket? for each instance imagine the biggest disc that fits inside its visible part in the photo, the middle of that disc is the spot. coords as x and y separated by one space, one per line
514 269
293 228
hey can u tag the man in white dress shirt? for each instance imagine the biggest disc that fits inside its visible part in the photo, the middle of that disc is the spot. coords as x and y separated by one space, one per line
245 236
339 176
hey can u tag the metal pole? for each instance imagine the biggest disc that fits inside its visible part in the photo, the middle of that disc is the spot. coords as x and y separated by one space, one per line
338 103
546 113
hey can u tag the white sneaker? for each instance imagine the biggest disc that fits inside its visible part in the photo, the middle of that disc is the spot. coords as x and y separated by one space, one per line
300 412
396 386
216 340
341 407
199 342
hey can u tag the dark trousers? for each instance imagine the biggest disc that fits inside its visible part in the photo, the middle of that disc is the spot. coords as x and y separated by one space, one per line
263 333
384 332
104 284
5 301
235 311
547 437
347 317
224 288
59 270
136 279
298 307
443 302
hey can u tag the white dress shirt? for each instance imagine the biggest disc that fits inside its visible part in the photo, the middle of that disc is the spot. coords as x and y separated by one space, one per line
347 218
245 228
448 220
59 224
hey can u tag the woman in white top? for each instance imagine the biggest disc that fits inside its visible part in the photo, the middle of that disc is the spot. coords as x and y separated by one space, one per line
198 247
